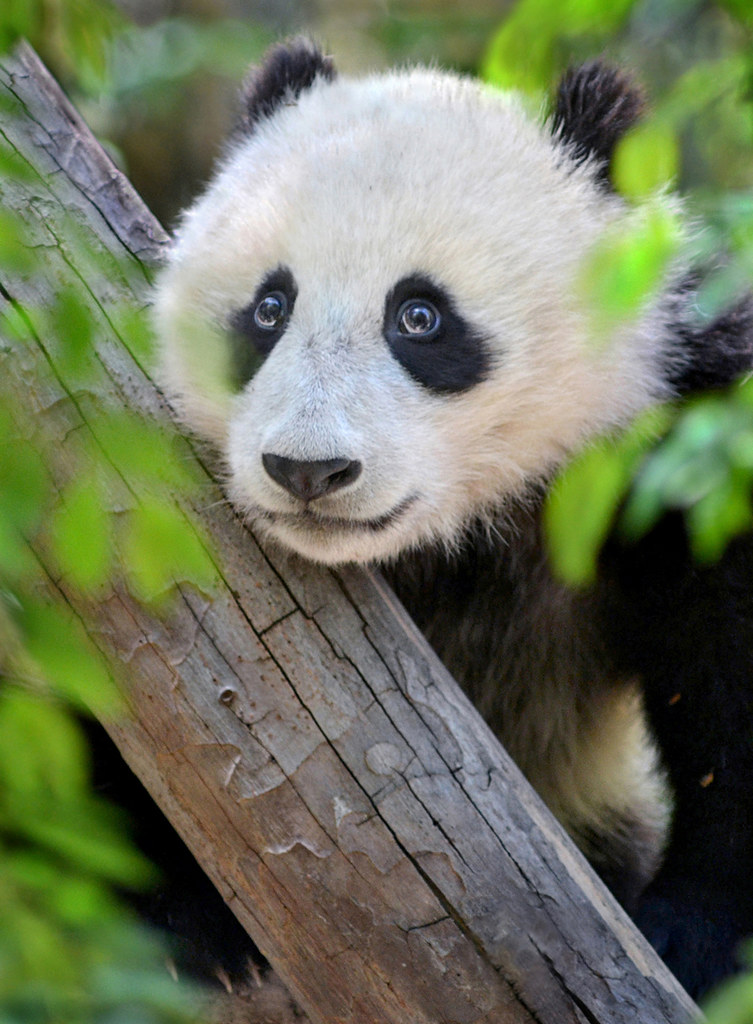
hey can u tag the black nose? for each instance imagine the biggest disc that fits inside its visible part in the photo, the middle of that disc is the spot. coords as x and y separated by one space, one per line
309 480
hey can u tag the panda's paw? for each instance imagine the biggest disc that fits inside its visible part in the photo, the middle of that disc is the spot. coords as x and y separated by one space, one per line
695 932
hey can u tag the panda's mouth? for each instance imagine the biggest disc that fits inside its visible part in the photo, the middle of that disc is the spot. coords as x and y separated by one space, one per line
311 520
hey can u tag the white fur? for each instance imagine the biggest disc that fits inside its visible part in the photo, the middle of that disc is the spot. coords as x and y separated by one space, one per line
355 186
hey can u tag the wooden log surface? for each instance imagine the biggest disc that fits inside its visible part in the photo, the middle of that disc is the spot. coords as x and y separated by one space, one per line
331 778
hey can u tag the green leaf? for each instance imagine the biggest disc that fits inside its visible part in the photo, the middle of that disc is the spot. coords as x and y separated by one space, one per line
723 288
732 1001
580 511
24 484
70 898
719 516
119 983
88 28
81 535
647 159
14 326
24 498
42 749
519 60
742 10
703 467
13 166
73 328
594 15
521 54
162 547
87 841
704 82
20 19
15 255
688 464
626 268
16 560
146 452
581 507
33 950
56 641
135 328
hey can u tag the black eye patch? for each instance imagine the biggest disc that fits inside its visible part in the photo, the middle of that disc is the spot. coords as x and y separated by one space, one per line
256 328
431 340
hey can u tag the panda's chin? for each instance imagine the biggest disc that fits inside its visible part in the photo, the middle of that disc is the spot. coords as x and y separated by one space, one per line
335 540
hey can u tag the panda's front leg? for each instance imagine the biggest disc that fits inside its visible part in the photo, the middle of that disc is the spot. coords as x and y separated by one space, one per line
688 632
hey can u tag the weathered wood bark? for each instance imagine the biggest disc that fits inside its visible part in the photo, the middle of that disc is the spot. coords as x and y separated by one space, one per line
333 781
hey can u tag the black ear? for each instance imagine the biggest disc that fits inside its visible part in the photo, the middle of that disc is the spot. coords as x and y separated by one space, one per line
596 105
288 70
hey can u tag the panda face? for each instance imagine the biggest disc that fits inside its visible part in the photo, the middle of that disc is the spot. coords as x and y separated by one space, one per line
374 311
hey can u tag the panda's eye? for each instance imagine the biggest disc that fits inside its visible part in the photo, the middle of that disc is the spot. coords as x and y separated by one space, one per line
418 318
255 329
271 311
427 335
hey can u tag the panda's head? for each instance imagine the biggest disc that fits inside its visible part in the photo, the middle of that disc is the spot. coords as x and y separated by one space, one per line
375 312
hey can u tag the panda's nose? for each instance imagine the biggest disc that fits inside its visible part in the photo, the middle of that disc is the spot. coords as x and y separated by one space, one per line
310 479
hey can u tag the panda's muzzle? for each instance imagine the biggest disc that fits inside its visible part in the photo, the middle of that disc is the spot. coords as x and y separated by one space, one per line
310 479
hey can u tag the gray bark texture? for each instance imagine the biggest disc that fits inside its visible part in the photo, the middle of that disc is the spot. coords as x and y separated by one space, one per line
331 778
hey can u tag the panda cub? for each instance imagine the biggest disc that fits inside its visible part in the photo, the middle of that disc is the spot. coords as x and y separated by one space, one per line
374 312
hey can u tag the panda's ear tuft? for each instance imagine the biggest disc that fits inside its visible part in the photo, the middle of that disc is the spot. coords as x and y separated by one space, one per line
288 70
596 105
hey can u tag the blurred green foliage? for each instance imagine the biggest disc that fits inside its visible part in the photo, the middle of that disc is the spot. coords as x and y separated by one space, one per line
69 950
533 40
580 511
703 467
699 133
173 49
732 1003
626 267
71 31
